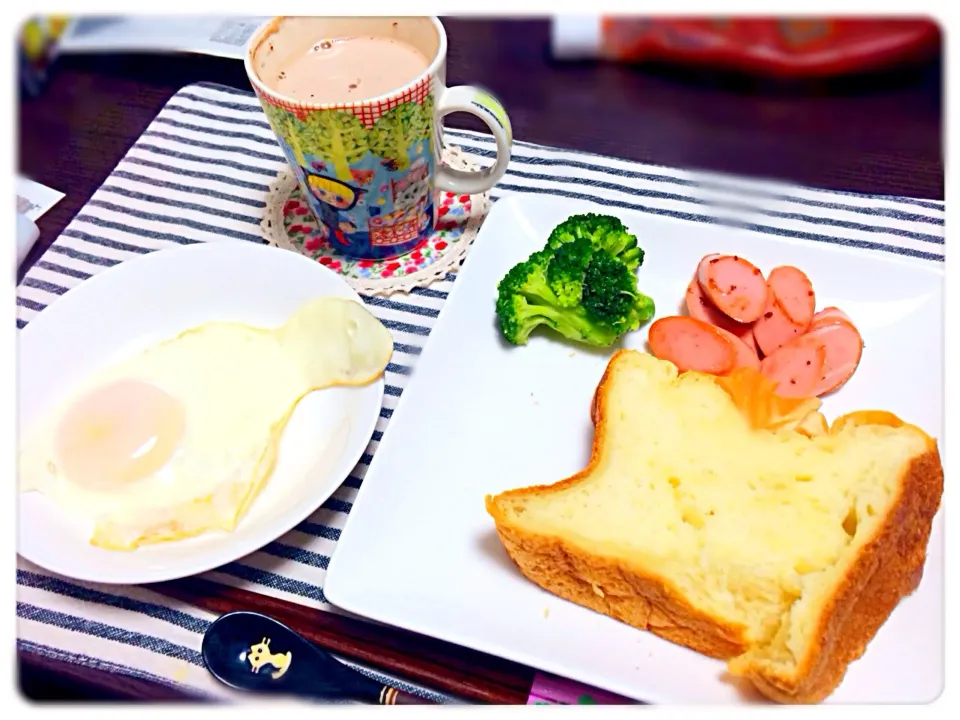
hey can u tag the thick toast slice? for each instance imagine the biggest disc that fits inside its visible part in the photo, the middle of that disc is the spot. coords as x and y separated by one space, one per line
777 551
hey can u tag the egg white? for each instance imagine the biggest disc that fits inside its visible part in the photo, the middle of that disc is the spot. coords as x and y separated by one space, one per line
238 386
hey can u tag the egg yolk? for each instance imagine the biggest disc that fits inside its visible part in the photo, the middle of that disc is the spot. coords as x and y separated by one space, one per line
119 433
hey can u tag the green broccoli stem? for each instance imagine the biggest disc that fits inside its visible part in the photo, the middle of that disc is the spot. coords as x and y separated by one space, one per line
575 324
644 306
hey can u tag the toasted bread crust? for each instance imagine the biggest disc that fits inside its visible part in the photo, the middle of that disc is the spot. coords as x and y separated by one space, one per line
643 601
888 568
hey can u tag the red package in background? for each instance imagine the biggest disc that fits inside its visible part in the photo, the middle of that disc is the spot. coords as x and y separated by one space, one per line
786 48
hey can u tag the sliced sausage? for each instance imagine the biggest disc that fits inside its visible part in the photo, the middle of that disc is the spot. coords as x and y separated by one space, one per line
843 347
735 286
699 307
795 369
794 292
828 315
744 355
691 344
774 328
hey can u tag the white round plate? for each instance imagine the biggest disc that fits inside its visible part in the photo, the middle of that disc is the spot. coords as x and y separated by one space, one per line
139 302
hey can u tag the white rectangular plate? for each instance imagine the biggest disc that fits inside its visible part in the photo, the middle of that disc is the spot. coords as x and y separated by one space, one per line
479 417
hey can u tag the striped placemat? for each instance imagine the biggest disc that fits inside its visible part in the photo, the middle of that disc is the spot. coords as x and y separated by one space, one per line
200 173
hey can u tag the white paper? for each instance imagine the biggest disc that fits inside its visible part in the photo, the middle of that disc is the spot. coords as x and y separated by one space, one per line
575 37
27 234
219 35
34 199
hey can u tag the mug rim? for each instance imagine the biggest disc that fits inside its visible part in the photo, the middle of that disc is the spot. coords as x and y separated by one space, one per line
288 101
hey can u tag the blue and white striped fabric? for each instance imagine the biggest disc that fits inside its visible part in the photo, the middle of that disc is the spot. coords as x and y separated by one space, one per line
200 173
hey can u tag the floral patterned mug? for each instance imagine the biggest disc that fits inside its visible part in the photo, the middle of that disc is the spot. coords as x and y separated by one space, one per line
370 169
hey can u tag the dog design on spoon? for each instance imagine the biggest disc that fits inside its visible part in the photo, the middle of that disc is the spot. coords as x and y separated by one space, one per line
260 655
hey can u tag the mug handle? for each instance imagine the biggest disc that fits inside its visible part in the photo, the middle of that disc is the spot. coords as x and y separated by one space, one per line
466 98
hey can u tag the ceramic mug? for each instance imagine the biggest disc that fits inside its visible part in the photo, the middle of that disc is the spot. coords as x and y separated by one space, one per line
370 169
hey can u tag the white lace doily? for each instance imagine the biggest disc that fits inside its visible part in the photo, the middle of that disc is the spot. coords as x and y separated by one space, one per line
288 224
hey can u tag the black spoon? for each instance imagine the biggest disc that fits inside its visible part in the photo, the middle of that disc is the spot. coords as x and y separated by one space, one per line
253 652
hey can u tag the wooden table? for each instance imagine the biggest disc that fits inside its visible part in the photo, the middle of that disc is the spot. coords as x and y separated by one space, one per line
879 135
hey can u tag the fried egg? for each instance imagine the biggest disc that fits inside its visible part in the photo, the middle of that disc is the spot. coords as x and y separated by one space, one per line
180 438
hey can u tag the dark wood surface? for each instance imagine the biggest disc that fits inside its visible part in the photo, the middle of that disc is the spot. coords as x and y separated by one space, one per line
878 134
461 672
46 679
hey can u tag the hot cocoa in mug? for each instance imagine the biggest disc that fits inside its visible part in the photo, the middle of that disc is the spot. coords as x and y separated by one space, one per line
356 105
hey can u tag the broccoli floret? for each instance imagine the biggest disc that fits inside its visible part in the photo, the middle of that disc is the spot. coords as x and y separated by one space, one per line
582 285
566 268
518 317
530 278
610 294
603 231
525 300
